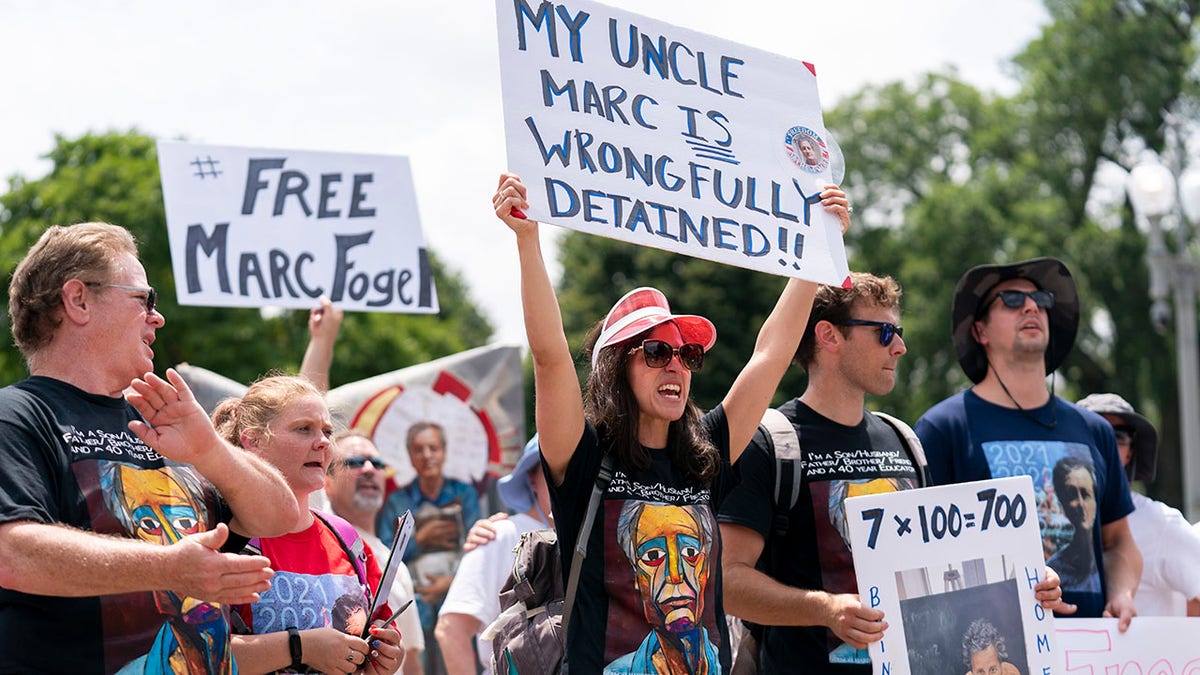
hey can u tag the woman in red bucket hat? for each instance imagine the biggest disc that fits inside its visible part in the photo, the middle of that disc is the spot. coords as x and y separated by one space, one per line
649 596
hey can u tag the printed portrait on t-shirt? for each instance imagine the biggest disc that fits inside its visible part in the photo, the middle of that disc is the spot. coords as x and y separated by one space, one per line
161 506
1064 483
669 558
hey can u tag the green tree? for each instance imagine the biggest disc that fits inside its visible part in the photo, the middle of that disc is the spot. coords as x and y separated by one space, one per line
114 177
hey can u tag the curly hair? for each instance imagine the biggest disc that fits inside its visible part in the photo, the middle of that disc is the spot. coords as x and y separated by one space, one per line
84 251
834 304
609 404
980 635
259 406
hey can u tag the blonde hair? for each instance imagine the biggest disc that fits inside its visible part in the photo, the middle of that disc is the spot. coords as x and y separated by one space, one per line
259 406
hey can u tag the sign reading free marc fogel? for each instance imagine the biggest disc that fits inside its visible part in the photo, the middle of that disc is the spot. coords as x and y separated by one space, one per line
251 227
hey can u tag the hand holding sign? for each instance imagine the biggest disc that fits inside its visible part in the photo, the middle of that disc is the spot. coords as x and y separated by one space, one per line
509 202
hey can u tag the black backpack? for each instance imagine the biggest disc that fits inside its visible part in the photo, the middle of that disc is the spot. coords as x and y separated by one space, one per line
529 637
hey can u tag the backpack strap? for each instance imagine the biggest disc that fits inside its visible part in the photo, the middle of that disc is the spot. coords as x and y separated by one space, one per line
789 465
603 478
911 443
352 544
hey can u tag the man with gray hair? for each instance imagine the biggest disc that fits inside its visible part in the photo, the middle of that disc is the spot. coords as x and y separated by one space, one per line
984 650
113 555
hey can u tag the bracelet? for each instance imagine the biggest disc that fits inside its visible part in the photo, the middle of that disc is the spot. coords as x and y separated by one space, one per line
295 647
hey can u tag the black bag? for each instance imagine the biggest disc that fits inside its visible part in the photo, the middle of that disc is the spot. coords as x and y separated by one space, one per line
530 635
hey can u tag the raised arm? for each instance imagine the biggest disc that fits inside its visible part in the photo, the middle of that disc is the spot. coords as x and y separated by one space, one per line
178 428
324 321
777 341
558 400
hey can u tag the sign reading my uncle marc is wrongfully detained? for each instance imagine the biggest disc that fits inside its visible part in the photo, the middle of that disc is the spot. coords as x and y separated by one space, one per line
251 227
638 130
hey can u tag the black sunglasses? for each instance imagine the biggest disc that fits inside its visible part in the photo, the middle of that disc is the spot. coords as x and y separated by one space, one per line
887 331
658 354
357 462
151 294
1124 435
1013 299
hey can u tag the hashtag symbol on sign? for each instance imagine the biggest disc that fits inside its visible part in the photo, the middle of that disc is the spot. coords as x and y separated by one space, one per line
210 163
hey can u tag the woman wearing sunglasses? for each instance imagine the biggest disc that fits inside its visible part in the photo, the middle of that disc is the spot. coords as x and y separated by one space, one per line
650 588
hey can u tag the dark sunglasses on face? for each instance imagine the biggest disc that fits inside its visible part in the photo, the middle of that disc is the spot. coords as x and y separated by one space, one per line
1013 299
151 300
657 354
1124 435
358 461
887 331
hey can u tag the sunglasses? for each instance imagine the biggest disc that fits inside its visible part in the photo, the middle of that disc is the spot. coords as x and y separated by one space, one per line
358 461
658 354
887 331
151 300
1016 299
1124 435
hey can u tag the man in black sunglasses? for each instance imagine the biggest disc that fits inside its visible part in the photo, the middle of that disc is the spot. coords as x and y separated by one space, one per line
355 489
1013 325
788 565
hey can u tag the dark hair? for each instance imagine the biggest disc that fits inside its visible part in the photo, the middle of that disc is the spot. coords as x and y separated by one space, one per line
834 304
85 251
609 404
1063 468
344 607
980 635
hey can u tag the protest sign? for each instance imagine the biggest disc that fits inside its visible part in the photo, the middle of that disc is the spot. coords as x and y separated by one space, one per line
477 395
634 129
1152 646
250 227
953 569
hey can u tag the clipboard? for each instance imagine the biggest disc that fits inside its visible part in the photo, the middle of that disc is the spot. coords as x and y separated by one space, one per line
404 530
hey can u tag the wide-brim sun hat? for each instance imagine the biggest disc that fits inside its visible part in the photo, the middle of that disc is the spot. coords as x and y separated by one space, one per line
1049 274
1144 460
515 488
644 308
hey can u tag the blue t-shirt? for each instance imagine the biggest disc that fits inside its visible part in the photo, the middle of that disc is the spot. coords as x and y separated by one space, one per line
967 438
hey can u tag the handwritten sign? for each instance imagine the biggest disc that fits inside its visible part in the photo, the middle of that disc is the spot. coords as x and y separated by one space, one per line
251 227
953 569
1151 646
634 129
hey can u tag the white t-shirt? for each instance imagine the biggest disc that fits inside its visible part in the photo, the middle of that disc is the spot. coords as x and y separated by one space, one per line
482 572
1170 549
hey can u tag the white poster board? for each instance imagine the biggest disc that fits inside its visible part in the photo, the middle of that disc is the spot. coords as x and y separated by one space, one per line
953 569
252 227
634 129
1151 646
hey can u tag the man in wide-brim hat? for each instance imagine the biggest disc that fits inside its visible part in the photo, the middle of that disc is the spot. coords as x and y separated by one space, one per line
1012 325
1170 546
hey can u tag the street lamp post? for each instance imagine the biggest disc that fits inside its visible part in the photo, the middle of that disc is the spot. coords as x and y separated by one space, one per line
1156 195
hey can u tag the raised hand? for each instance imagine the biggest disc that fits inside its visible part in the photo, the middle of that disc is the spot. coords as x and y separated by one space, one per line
176 425
509 203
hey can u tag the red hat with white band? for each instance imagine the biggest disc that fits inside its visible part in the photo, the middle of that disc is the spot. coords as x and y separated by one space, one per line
644 308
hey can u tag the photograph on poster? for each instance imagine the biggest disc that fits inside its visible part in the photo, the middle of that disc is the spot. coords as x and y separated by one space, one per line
964 616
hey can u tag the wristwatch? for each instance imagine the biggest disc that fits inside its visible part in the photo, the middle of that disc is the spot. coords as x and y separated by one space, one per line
295 648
